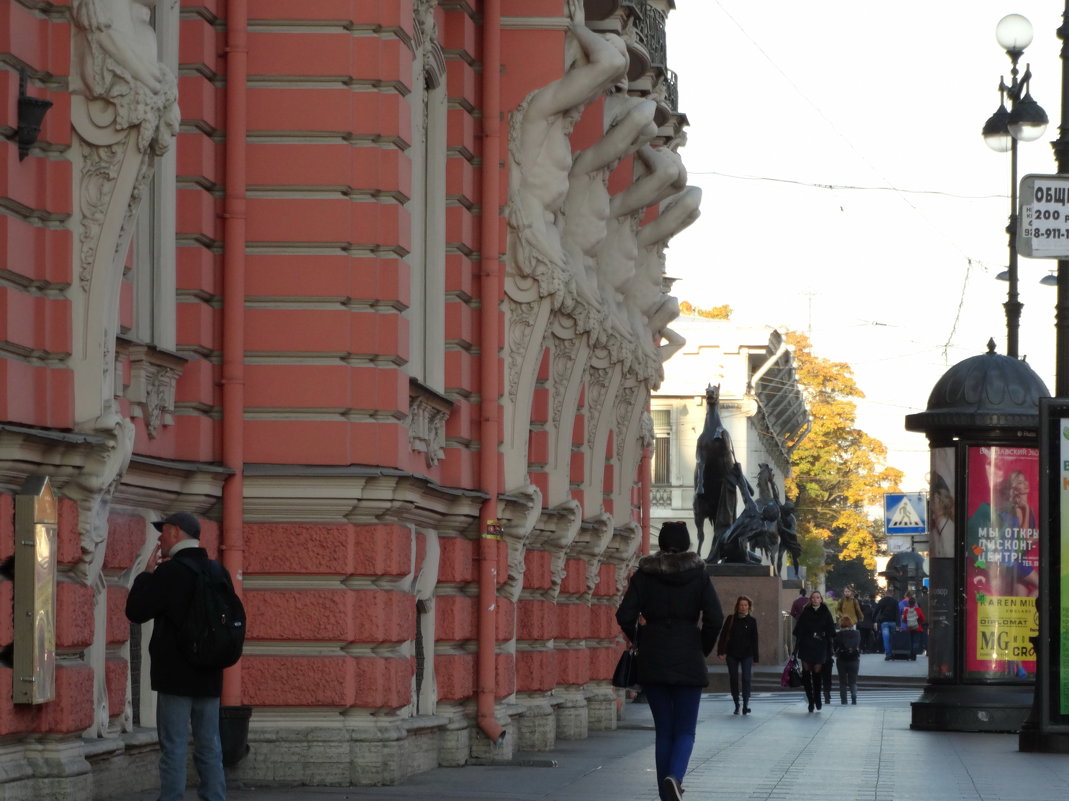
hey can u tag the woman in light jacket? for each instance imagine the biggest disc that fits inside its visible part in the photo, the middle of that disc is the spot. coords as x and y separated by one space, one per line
738 645
680 616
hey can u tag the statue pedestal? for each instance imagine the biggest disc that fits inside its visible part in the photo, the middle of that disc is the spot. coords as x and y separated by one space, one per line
770 602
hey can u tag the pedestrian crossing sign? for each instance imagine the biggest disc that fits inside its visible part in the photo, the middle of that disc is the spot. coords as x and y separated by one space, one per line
905 512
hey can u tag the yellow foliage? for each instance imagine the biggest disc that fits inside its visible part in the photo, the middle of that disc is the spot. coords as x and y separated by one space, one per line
715 313
838 471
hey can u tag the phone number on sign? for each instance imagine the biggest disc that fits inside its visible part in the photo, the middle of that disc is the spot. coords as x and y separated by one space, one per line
1045 233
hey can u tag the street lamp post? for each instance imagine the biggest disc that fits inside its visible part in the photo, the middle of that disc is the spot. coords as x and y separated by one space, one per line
1024 121
1061 156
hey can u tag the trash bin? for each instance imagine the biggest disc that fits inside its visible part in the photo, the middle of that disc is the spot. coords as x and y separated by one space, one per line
234 733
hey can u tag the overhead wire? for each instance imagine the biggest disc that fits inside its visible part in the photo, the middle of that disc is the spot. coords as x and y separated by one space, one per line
901 194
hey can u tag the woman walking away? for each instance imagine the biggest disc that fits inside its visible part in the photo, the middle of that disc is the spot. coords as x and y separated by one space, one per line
680 615
847 657
813 633
738 644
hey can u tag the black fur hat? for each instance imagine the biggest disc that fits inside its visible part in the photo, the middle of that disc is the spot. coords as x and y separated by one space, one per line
674 537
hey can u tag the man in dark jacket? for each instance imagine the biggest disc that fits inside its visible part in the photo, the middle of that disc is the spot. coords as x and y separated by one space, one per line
887 620
681 617
184 694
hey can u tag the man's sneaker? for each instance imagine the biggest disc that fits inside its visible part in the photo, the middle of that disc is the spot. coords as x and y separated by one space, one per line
672 789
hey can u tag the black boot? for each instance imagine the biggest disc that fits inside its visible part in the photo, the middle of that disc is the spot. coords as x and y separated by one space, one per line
735 698
807 685
746 705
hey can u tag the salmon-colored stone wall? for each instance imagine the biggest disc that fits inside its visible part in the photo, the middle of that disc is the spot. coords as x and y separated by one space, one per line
34 248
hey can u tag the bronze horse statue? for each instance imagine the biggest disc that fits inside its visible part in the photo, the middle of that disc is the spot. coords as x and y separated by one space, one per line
752 529
716 473
765 525
786 535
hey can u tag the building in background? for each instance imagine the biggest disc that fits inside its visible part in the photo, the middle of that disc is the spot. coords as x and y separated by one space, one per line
761 406
376 290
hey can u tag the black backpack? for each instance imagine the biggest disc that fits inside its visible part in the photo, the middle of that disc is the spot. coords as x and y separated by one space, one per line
213 631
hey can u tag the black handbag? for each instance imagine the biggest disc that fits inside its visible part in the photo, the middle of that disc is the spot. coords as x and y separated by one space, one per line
626 673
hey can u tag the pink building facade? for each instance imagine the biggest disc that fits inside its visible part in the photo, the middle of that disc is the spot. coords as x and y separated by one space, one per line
374 288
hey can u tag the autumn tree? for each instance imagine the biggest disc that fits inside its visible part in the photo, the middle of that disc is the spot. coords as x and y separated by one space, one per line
838 471
715 313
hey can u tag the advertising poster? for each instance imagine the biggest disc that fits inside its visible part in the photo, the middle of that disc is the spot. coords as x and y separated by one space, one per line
1062 556
941 564
1001 562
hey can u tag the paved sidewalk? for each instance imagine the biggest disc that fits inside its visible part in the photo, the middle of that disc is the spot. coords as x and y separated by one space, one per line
779 753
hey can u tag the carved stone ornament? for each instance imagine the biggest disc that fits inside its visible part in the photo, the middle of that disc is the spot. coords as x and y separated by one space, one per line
519 515
427 416
153 375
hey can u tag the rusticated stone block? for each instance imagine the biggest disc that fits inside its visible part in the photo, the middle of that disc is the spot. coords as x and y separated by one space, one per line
572 717
536 620
455 676
68 540
536 728
74 615
504 675
603 662
573 667
7 526
606 586
384 616
603 621
115 678
382 551
298 548
118 627
289 615
298 680
538 573
458 564
126 535
575 581
536 671
383 682
15 718
211 538
7 612
455 618
573 621
72 710
504 616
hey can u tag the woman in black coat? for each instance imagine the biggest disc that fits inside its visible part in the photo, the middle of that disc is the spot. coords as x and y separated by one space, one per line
738 644
674 600
814 633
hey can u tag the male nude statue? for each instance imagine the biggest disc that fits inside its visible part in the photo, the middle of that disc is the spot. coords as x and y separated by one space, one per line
542 156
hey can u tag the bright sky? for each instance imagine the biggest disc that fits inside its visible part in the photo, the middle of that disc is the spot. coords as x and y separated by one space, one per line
847 191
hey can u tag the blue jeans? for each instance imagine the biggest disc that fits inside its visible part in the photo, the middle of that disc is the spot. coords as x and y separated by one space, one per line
887 627
174 714
746 663
675 717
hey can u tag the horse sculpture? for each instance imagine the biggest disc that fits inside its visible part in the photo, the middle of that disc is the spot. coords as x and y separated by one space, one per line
751 529
765 525
788 538
716 477
787 541
767 539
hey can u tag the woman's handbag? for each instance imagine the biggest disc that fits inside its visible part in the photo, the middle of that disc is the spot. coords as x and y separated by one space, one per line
626 673
792 673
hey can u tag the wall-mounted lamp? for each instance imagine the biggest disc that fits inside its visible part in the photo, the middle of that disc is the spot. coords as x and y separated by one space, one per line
32 112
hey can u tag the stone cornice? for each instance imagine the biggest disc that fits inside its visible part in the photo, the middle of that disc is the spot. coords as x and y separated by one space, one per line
355 494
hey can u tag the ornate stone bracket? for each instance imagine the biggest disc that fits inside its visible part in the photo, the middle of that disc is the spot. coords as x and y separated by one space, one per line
559 528
153 375
589 545
519 515
427 415
622 552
